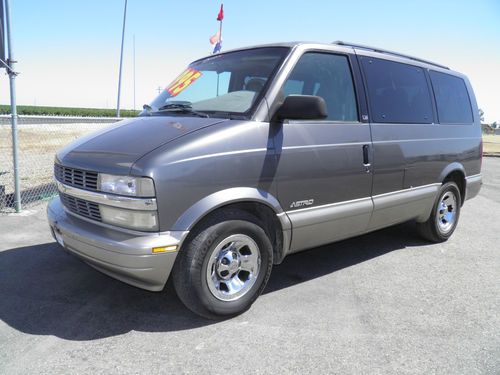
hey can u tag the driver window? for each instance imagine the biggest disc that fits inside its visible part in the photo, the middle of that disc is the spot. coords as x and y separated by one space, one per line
328 76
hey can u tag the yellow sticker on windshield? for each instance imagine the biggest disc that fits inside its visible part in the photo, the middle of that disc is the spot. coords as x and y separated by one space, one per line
184 80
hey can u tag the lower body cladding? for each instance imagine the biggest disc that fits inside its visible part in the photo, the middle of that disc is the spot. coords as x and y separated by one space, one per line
125 255
321 225
473 185
316 226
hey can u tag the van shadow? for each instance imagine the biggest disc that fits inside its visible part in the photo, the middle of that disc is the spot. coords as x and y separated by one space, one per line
323 260
45 291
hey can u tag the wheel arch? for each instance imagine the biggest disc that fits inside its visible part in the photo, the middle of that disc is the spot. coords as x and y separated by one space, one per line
263 205
455 172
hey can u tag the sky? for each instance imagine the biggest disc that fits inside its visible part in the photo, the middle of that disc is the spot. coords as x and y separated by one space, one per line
68 51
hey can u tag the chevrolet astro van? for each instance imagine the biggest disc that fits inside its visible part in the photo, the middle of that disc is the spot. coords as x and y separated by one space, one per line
257 153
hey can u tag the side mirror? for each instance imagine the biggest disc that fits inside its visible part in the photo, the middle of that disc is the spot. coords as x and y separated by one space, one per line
302 107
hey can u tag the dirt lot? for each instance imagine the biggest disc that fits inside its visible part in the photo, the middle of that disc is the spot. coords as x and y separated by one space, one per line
491 144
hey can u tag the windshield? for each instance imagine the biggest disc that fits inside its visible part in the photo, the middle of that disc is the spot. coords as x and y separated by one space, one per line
221 85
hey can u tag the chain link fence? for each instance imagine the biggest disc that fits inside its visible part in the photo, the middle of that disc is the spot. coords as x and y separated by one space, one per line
39 138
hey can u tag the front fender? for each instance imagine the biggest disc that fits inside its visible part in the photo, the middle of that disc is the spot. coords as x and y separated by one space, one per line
224 197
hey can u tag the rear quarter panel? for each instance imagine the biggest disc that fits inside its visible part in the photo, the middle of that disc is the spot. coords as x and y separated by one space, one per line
427 151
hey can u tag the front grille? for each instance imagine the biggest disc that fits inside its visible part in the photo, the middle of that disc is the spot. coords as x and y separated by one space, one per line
81 207
76 177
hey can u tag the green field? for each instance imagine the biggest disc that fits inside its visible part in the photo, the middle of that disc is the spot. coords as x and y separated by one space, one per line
66 111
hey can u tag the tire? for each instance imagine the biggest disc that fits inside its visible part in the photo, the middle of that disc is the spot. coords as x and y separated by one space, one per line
444 216
228 251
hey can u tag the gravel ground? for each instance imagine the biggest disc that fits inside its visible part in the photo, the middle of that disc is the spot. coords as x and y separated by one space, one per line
383 303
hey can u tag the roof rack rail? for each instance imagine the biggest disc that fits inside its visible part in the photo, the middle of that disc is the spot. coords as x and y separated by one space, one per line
375 49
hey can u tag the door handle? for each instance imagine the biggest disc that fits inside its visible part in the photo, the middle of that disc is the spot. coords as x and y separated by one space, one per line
366 158
366 154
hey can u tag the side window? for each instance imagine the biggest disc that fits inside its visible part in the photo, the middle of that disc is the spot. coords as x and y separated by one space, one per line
397 93
452 99
329 76
293 87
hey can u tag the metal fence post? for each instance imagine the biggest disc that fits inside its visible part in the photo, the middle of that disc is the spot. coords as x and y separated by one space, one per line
13 109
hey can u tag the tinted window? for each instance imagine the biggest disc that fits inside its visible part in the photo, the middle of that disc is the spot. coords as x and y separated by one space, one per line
328 76
452 99
398 93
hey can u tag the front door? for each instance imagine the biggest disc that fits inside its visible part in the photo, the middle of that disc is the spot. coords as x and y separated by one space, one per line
324 174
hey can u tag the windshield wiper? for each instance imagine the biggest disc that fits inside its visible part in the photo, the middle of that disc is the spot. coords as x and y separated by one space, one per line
181 107
225 114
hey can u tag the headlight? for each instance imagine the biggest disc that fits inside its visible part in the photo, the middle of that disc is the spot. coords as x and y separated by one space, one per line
126 185
139 220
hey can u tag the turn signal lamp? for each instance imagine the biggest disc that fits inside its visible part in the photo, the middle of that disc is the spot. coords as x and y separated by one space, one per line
164 249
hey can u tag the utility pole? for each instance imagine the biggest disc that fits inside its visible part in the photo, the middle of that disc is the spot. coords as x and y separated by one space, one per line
159 90
13 110
121 62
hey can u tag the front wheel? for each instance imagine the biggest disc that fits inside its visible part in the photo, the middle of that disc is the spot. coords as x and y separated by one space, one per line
445 214
224 265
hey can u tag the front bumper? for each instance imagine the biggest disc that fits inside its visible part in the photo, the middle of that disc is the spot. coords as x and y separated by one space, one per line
124 255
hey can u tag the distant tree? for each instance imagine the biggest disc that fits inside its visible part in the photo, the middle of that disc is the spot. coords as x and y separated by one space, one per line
481 115
494 125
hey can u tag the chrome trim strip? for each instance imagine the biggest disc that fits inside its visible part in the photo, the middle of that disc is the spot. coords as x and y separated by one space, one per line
328 205
130 203
364 198
403 205
474 177
413 188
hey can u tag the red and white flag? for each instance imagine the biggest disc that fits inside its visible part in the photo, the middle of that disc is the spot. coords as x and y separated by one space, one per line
220 16
215 38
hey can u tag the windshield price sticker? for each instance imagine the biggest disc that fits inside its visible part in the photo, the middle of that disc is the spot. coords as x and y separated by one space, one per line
184 80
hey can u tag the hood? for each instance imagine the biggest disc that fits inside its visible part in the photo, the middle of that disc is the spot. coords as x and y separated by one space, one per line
116 148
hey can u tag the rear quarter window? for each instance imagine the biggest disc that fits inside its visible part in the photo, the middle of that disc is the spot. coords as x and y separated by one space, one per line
397 93
452 99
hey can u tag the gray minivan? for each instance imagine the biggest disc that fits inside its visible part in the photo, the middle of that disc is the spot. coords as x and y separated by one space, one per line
257 153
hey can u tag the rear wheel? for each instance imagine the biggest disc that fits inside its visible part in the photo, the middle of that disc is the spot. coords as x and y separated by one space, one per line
445 214
224 266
